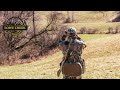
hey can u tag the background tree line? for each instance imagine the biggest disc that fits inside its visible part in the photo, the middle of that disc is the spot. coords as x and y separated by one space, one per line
32 42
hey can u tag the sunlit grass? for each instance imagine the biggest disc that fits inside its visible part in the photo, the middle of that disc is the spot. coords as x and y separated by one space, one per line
100 26
87 37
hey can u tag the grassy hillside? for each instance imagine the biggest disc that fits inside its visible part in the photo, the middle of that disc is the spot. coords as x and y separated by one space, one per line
94 20
101 26
88 19
101 56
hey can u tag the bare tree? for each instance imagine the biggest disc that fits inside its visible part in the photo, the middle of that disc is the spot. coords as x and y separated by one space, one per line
73 16
10 39
70 17
34 29
46 38
68 20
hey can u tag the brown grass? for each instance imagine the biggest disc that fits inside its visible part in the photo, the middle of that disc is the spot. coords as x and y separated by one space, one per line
102 58
102 47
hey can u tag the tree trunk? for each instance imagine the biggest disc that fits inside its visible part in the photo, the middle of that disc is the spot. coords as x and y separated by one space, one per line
34 29
72 16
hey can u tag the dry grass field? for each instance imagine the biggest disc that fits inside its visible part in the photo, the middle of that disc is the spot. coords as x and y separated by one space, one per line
101 55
